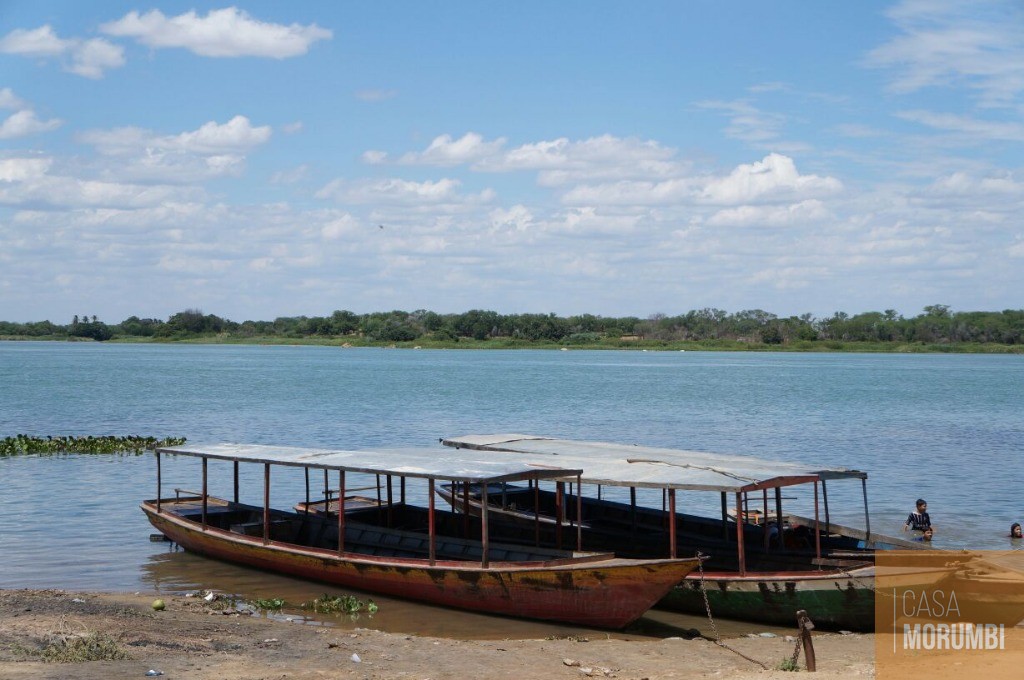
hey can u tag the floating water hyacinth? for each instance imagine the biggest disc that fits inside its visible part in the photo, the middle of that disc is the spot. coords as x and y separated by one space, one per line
22 444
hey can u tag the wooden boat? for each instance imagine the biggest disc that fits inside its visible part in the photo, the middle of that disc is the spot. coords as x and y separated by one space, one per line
400 552
750 575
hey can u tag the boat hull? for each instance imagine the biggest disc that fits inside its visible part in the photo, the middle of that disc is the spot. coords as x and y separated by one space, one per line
603 593
834 601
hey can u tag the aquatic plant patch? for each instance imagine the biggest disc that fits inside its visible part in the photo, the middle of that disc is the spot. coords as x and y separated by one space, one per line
21 444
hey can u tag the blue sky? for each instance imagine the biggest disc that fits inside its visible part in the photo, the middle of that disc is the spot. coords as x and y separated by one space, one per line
274 159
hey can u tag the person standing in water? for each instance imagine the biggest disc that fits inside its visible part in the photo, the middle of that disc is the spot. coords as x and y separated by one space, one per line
919 520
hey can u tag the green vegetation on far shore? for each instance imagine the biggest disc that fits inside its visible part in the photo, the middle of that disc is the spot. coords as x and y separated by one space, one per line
936 329
132 444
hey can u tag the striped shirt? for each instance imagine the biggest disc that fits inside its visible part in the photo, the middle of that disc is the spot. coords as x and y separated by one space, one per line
919 521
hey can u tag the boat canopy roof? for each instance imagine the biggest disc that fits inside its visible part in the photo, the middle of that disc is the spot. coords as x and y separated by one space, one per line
434 463
653 467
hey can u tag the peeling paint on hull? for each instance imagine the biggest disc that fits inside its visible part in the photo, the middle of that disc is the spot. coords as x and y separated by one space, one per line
608 593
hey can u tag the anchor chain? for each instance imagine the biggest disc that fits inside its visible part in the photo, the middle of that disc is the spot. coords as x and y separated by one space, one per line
711 619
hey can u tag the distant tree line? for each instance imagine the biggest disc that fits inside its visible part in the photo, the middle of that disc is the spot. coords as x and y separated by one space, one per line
937 324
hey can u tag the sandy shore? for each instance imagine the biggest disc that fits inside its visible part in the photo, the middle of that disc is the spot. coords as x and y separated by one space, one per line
194 639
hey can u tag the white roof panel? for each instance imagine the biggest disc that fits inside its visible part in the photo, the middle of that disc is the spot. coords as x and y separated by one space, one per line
436 463
647 466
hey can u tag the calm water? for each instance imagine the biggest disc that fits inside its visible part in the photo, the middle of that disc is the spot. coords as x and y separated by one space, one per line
945 427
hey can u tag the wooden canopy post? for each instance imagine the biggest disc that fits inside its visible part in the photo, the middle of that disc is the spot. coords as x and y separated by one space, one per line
536 513
235 466
632 508
327 493
430 522
725 517
465 509
306 507
739 534
778 517
867 516
485 558
579 512
341 511
672 523
401 490
204 491
391 515
764 509
824 500
159 483
559 512
817 525
266 503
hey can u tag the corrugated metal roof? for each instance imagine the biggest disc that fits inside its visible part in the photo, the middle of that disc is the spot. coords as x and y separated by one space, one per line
652 467
434 463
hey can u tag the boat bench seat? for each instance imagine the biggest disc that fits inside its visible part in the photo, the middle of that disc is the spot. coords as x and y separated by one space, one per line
280 529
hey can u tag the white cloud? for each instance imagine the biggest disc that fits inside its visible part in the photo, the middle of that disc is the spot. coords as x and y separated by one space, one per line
37 42
227 32
89 58
516 218
337 228
22 169
24 123
562 161
373 157
770 215
8 100
445 151
212 150
746 122
400 191
970 127
953 43
292 128
772 178
962 184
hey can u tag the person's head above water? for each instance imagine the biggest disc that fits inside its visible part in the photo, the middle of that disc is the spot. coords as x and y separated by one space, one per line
1015 531
922 504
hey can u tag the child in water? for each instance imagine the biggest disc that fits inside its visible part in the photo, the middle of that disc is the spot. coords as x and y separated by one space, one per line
919 520
1015 531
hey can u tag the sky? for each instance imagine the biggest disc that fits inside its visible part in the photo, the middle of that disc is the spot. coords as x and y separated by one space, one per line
269 159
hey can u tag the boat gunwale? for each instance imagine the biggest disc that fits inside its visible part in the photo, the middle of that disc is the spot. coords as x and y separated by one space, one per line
603 559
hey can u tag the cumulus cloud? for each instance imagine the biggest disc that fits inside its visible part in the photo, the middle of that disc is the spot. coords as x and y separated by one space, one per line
561 160
445 151
8 100
400 191
952 43
29 182
227 32
214 149
772 178
87 58
291 176
770 215
24 121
